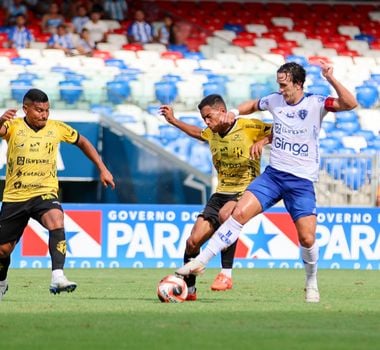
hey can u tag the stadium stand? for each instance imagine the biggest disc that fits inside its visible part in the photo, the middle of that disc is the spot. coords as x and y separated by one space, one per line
232 48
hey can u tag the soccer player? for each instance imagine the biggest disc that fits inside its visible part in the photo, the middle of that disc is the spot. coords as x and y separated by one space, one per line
230 148
293 167
31 184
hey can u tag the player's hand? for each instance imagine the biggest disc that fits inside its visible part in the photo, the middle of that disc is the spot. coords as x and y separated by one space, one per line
8 115
107 179
327 69
227 119
168 113
256 149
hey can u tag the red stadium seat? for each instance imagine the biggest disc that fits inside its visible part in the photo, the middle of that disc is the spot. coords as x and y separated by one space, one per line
133 47
105 55
10 53
171 55
242 42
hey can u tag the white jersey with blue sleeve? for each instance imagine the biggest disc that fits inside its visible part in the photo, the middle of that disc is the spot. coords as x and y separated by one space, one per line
295 143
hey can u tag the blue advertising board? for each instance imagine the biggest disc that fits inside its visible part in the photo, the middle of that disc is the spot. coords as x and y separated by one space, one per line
154 236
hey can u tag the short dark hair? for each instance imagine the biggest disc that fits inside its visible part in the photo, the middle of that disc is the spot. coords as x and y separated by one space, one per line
296 72
212 101
35 95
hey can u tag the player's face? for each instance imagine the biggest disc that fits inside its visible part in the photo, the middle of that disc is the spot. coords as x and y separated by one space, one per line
290 91
211 116
37 113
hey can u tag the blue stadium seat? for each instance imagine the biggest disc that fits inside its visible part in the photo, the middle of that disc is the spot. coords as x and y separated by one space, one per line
346 116
27 76
353 177
217 78
21 61
194 55
337 133
19 87
302 60
258 90
114 62
117 91
367 96
210 88
328 125
330 143
70 91
168 133
166 92
349 127
319 89
234 27
173 78
367 134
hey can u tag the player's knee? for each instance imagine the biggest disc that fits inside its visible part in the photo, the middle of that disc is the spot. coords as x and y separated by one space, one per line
5 250
307 241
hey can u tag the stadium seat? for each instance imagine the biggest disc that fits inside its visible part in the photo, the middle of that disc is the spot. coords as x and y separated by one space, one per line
367 96
19 87
210 88
117 91
259 90
70 91
166 92
319 89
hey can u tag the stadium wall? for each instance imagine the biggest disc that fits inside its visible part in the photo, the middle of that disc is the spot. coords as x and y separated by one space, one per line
154 236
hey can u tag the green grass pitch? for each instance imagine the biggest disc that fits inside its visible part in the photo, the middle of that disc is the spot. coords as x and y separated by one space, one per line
119 309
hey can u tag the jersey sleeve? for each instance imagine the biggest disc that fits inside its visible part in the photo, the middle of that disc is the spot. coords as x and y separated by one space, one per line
9 126
206 134
67 133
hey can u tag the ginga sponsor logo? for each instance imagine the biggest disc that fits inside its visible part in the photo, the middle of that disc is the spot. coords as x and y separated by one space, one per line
297 149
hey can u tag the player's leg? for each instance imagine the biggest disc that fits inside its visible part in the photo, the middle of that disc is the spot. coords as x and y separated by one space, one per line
200 232
260 195
300 202
50 214
223 280
13 220
306 227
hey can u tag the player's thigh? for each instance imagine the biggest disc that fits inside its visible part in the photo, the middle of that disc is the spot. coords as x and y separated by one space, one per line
13 220
48 212
226 210
306 227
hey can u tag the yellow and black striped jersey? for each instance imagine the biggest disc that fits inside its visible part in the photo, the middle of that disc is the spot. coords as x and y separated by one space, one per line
231 153
32 158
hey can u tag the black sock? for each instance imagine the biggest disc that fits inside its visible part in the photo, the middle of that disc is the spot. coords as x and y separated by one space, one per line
4 266
57 248
228 256
190 280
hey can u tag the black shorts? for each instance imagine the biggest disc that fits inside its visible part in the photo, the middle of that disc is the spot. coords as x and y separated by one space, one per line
214 204
14 216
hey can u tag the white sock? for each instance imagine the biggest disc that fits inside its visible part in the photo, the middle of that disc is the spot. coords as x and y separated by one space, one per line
56 273
226 234
227 272
310 258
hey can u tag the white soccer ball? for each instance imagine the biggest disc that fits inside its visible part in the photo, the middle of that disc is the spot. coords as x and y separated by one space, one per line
172 289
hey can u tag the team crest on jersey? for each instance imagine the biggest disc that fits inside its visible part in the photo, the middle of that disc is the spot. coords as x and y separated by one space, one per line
268 236
302 113
83 236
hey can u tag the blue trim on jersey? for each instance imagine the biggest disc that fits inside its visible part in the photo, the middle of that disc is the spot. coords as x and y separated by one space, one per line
297 193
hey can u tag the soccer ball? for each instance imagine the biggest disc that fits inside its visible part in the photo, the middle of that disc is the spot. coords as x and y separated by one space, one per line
172 289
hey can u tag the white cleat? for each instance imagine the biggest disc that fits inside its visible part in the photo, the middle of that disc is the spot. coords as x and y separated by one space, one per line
193 267
3 288
312 295
62 284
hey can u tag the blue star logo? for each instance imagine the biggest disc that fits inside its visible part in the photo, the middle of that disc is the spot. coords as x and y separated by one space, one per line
260 240
69 236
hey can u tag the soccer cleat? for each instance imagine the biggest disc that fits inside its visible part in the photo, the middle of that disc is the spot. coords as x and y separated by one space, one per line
221 282
312 295
193 267
3 288
62 284
192 296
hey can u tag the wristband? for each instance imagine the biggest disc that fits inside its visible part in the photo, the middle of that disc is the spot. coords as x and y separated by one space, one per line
235 112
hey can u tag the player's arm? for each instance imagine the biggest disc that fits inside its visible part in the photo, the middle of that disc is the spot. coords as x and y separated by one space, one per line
89 150
248 107
191 130
7 115
346 100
